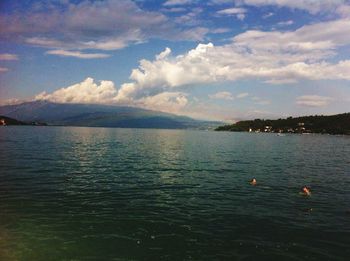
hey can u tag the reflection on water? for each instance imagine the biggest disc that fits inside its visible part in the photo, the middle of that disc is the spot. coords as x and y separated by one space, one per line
5 248
99 194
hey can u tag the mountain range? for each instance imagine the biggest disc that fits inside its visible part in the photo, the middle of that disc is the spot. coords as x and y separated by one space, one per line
93 115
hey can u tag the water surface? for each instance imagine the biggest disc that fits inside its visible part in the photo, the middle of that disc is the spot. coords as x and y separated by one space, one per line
135 194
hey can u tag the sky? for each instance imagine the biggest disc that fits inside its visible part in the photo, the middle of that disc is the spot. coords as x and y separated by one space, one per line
218 59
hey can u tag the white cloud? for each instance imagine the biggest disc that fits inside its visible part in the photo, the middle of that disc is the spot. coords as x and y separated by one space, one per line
168 73
312 6
242 95
105 92
274 57
177 2
174 9
93 25
285 23
172 102
222 96
85 92
220 30
237 12
77 54
8 57
324 37
313 100
3 69
268 15
163 54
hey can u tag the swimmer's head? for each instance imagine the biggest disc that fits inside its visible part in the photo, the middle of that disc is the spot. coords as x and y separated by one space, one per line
253 181
306 190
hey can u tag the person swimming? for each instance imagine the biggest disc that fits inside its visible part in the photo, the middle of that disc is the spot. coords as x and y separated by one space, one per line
305 191
253 182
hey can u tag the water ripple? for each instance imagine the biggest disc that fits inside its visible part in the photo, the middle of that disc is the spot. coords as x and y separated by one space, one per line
122 194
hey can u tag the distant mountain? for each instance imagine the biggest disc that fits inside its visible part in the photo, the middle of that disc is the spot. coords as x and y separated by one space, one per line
334 124
92 115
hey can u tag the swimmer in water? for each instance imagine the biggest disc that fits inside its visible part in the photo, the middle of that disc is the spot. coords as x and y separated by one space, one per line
253 182
305 191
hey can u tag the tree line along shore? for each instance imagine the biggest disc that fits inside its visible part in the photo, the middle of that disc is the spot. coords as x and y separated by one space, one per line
334 124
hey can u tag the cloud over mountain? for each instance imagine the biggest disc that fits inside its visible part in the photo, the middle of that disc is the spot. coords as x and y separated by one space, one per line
90 92
85 92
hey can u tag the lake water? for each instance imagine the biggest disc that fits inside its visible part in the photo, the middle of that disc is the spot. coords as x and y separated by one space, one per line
134 194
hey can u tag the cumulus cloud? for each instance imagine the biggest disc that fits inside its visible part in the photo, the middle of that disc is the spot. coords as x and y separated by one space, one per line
105 92
274 57
174 9
237 12
8 57
172 102
220 30
78 54
222 96
311 42
85 92
191 18
167 73
314 6
92 25
313 100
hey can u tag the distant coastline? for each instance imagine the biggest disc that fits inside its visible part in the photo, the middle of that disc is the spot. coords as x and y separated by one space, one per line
7 121
334 124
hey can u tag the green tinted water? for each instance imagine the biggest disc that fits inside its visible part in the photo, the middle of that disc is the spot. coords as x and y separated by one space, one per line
132 194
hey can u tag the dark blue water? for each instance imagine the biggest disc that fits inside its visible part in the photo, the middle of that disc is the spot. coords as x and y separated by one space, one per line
132 194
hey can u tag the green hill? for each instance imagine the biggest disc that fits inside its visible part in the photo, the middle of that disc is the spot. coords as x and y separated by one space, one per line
334 124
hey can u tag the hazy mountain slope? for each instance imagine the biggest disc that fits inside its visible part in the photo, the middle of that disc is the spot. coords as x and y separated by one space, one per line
98 116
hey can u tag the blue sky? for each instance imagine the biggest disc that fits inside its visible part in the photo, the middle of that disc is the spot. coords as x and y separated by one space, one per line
218 59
